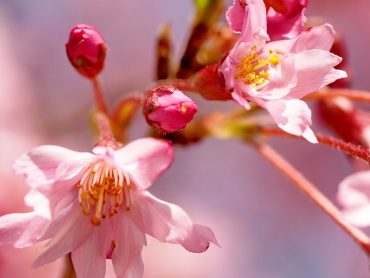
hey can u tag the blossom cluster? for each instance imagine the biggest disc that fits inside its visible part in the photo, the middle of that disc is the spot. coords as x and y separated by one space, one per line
96 206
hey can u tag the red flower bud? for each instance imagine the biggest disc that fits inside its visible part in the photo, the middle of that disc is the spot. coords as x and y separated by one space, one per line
167 109
86 50
210 83
349 122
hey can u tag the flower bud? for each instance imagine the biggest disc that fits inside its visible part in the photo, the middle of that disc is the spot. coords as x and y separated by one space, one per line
86 50
350 123
167 109
210 83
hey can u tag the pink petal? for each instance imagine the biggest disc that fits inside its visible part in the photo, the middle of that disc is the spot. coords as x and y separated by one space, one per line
126 256
48 199
255 25
293 116
48 163
358 216
69 238
169 223
61 220
282 79
235 16
241 100
38 202
199 239
320 37
89 259
233 59
288 24
354 196
21 229
145 159
315 70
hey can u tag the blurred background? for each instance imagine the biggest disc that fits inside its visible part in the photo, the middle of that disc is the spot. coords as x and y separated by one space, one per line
266 228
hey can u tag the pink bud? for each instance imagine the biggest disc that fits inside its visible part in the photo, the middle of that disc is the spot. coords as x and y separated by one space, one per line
86 50
168 109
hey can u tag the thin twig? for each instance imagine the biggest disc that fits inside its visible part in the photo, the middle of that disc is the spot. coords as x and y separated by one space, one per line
313 194
346 147
356 95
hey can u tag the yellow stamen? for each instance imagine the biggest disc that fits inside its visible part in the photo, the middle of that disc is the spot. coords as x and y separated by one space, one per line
274 60
183 108
253 70
103 189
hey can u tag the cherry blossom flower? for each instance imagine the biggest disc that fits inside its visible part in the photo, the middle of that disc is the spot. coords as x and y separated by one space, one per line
276 75
168 109
285 19
96 206
354 196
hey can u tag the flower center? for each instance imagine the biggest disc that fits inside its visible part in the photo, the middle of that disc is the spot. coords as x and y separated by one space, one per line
253 70
102 189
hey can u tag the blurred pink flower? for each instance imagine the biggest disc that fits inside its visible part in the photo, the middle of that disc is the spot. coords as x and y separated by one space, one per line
17 117
354 196
285 18
103 183
86 50
276 75
168 109
16 262
349 122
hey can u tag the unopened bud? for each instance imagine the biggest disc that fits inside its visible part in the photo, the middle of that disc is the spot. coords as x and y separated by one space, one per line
210 83
349 122
167 109
86 50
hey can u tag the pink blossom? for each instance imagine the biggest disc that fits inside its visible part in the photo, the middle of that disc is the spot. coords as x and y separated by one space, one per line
276 75
285 19
97 207
354 196
86 50
168 109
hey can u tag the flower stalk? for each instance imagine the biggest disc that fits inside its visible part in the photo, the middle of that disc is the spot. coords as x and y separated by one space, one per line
98 95
69 270
313 194
106 137
343 146
356 95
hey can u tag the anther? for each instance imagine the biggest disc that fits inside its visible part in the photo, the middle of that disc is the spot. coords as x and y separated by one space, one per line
102 190
274 60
